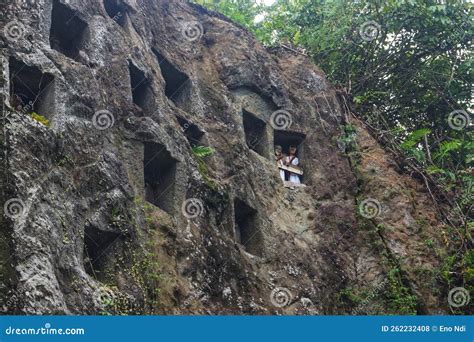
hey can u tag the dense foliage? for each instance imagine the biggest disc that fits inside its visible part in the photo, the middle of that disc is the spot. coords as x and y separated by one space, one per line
407 68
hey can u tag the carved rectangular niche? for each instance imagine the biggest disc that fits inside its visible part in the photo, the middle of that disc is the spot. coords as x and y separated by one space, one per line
247 231
31 90
117 10
98 251
255 133
288 138
68 31
177 84
160 176
193 133
140 85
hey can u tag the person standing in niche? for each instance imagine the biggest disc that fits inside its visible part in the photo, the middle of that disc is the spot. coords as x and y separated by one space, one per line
292 160
280 159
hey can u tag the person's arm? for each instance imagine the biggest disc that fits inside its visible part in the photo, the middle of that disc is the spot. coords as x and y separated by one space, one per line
291 160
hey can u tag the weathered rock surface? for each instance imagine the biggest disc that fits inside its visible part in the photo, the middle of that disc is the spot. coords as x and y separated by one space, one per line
131 87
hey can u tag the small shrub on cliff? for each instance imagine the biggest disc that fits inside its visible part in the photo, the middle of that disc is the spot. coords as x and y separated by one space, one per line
401 300
41 119
202 151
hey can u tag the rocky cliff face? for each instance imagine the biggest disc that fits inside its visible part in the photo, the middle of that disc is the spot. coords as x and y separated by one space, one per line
109 210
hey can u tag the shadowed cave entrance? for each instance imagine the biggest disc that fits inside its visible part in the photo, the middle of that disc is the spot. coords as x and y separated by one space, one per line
255 133
142 94
176 82
246 227
67 32
193 133
160 176
287 138
30 89
116 10
98 248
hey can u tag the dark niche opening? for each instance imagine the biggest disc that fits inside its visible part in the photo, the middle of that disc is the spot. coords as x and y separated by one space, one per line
192 132
98 251
30 89
246 228
117 10
288 138
160 176
67 32
255 133
142 93
176 82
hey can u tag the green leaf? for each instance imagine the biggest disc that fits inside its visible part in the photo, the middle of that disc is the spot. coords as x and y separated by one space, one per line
446 147
434 169
414 138
202 151
419 134
296 37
